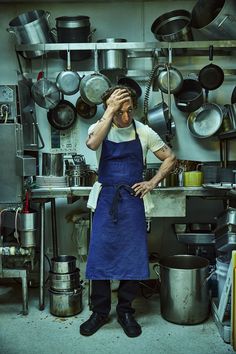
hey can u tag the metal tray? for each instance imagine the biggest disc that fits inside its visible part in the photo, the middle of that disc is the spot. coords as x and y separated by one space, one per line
196 238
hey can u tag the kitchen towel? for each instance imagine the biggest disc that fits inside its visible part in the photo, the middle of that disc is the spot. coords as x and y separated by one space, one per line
93 198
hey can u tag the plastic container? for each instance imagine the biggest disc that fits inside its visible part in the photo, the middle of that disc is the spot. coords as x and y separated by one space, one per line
222 265
193 179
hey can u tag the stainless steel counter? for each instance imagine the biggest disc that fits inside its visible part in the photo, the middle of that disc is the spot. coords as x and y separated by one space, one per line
168 202
63 192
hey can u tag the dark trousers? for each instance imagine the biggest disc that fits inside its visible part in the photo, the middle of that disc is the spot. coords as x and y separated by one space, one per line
101 296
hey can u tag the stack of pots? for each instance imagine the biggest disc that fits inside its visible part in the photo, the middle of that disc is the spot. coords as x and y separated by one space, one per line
65 289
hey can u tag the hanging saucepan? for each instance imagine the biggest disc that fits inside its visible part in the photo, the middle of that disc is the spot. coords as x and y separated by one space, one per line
63 116
127 81
68 81
190 97
85 110
206 121
169 77
94 85
211 76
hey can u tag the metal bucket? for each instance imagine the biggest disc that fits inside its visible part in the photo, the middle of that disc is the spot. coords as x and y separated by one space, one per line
67 303
215 19
32 28
184 293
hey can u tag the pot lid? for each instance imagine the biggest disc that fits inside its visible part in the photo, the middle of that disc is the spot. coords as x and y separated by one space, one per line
45 93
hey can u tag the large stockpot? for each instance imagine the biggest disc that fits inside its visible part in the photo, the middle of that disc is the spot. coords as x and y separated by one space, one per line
190 96
112 59
184 290
63 264
32 28
74 29
66 303
215 19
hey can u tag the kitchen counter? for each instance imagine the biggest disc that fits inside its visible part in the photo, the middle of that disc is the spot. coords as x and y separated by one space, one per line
173 199
57 192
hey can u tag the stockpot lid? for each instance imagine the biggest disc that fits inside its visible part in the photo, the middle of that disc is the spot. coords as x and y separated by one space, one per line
72 21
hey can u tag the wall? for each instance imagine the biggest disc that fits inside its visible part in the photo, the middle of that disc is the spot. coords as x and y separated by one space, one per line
131 20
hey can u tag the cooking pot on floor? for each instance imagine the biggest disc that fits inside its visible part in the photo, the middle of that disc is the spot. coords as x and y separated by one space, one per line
184 290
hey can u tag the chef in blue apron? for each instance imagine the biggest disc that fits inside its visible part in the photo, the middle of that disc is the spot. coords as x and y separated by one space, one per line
118 245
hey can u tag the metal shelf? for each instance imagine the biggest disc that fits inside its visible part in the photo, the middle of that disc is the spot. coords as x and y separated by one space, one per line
196 45
196 238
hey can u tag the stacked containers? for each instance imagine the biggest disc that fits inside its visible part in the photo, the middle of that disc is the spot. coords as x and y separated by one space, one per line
65 289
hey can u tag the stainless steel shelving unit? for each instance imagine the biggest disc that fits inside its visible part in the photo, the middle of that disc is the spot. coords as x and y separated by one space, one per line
196 45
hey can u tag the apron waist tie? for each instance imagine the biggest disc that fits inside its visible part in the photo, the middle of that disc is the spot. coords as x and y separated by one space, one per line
117 197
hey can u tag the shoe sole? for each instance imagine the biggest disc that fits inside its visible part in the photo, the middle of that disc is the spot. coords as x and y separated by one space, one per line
91 333
127 333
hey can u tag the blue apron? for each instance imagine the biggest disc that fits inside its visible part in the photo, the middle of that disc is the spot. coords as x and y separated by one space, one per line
118 244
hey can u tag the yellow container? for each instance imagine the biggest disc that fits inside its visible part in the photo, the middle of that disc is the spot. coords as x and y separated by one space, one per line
193 179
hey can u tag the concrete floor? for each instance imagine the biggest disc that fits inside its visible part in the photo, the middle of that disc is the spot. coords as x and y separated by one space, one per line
40 332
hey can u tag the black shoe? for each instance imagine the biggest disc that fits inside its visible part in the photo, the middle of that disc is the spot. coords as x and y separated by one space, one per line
95 321
129 325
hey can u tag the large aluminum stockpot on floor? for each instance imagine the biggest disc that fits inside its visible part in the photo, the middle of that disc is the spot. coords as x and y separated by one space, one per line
184 292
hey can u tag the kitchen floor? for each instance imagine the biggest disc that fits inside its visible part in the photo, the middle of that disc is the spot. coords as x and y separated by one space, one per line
40 332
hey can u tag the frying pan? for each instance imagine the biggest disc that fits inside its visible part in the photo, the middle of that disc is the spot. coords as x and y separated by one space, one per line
169 78
206 121
63 116
211 76
85 110
68 81
94 85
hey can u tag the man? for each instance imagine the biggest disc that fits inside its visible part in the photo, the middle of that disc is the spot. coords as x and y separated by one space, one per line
118 245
